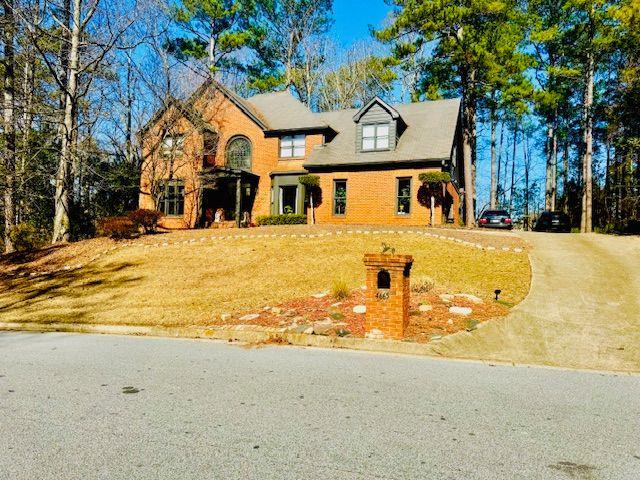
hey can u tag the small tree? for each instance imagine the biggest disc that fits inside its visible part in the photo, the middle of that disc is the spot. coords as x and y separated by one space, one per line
312 184
434 186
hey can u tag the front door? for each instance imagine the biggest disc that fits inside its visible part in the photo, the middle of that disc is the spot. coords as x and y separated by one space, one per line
288 199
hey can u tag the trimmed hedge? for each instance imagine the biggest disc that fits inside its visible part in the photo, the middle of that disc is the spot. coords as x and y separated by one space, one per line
117 227
286 219
147 219
435 177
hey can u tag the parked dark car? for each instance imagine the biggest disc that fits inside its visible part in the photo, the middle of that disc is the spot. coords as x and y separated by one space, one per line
553 222
495 219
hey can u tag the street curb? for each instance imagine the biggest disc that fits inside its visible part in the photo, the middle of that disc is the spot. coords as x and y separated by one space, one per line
240 333
250 334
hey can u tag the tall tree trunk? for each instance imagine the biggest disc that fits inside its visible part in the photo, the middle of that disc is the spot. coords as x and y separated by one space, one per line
63 182
9 150
28 85
493 200
513 165
468 129
499 190
586 222
526 162
550 187
565 176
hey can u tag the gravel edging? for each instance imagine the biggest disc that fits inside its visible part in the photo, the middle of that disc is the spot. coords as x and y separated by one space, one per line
218 237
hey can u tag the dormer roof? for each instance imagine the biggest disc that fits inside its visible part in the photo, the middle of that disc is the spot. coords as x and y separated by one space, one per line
376 101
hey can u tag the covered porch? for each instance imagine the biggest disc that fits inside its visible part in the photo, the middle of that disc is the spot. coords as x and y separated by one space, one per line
228 196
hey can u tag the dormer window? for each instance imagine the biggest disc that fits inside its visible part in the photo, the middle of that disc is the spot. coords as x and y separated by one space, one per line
378 126
292 146
375 137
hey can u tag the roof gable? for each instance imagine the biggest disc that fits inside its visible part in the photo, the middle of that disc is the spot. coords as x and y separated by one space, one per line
376 101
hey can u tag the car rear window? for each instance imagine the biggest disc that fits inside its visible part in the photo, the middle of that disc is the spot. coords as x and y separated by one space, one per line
495 213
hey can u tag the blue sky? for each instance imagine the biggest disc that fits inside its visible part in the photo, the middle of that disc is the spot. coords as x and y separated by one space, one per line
353 17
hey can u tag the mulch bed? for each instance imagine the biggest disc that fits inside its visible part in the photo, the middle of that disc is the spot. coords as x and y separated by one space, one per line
423 326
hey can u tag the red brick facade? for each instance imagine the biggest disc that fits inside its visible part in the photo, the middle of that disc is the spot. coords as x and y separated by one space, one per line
371 193
372 198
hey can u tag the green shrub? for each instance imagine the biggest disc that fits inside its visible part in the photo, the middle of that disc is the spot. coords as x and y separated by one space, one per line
286 219
117 227
435 177
340 290
145 219
25 237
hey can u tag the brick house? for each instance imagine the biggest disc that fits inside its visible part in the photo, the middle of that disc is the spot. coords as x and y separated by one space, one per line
218 152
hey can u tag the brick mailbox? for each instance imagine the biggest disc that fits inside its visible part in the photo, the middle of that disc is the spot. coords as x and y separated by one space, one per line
387 294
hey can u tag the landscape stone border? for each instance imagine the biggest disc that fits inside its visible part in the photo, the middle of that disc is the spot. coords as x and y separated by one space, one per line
425 233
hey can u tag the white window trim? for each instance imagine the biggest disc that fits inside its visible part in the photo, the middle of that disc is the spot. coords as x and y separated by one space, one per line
376 138
281 201
288 143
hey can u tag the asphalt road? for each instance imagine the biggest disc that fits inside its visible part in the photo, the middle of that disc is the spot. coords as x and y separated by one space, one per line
106 407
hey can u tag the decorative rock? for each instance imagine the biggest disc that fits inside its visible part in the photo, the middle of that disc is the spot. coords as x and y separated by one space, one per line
450 321
446 297
307 329
276 310
249 317
491 248
225 316
425 308
375 334
436 337
323 327
320 295
517 250
360 309
460 310
468 296
337 304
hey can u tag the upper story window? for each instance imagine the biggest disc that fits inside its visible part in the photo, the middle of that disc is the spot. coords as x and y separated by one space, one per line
209 142
172 145
292 146
239 153
375 136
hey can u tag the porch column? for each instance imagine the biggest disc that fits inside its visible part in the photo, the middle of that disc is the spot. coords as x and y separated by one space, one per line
238 199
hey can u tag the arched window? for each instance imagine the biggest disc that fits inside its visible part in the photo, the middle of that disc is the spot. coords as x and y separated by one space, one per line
239 153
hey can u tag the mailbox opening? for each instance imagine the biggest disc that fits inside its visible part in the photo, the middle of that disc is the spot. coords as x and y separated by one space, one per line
384 280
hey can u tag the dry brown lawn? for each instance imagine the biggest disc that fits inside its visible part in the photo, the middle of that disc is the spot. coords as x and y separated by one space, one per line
193 284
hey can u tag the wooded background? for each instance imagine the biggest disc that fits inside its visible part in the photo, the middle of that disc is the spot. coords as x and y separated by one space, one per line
551 81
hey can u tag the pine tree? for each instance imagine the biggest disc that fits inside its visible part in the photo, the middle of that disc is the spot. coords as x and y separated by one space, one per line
470 39
215 30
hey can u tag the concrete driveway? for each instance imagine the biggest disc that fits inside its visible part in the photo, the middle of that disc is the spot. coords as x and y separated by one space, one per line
583 310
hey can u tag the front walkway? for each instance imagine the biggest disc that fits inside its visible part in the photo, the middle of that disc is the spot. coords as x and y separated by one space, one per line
583 310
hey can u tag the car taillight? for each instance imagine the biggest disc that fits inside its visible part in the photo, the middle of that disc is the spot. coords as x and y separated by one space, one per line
507 220
483 220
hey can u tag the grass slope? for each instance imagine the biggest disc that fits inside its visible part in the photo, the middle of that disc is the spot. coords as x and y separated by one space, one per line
191 284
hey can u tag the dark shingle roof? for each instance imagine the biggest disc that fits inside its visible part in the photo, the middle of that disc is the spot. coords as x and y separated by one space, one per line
283 112
430 133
